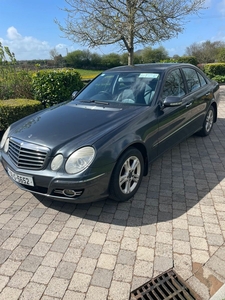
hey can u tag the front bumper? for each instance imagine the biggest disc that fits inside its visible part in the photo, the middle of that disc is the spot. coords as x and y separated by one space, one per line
60 188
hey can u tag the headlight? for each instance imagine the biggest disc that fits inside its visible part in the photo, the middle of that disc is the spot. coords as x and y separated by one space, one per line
80 160
4 138
56 162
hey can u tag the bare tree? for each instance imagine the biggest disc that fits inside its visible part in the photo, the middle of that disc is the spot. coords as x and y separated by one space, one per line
53 53
126 22
205 52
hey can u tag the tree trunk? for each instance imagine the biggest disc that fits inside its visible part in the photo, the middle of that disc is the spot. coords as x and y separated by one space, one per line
130 57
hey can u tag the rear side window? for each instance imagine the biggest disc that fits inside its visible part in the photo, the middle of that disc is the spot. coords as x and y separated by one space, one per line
174 85
193 79
202 79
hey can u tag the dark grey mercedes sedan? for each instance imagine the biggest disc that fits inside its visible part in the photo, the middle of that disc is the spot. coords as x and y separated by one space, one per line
100 143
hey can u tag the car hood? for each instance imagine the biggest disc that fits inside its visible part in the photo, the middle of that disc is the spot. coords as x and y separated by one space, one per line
58 125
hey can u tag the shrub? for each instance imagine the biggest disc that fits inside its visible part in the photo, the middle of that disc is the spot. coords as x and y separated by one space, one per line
215 69
14 82
15 109
219 78
52 87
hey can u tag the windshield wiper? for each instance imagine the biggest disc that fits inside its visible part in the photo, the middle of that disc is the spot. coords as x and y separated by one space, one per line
95 101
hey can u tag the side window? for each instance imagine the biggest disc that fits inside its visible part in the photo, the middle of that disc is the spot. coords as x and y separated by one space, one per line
174 85
202 79
192 79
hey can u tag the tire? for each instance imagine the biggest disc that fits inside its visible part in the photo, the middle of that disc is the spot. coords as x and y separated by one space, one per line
208 122
127 175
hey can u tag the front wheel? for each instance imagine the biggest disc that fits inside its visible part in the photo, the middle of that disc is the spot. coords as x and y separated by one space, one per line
208 122
127 175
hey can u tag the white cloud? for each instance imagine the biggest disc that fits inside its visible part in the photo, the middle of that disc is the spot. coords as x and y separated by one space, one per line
28 47
13 34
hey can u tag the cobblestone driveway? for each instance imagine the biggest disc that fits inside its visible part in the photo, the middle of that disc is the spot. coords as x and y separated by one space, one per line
53 250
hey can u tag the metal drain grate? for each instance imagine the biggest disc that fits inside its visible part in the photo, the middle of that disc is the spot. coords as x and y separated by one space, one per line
167 286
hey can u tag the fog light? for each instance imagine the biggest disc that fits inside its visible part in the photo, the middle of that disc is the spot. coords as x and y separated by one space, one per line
69 193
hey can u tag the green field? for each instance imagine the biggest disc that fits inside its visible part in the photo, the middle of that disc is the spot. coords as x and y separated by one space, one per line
88 74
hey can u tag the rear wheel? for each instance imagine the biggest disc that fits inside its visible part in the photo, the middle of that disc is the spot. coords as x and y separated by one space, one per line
208 122
127 175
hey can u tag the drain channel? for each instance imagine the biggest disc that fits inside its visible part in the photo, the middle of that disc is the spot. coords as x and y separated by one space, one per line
166 286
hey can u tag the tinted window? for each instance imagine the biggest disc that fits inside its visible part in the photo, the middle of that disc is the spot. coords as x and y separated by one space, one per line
202 79
192 79
174 85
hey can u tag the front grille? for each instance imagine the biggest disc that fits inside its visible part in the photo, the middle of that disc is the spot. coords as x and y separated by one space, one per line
165 286
26 155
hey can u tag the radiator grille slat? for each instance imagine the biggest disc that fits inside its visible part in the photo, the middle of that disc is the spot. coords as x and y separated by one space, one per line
27 155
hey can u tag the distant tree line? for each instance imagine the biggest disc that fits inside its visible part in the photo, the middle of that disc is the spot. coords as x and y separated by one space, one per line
197 53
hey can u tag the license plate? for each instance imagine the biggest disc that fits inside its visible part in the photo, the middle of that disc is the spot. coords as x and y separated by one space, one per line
27 180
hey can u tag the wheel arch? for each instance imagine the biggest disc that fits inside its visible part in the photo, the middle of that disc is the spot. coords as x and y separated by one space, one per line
214 105
143 150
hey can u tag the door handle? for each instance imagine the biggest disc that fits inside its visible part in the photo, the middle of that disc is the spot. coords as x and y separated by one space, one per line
189 104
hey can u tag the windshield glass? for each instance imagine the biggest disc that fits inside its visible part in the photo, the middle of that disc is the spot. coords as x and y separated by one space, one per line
126 87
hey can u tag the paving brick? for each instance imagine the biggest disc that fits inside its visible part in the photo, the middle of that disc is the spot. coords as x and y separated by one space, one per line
30 240
48 236
20 253
41 249
126 257
20 279
129 244
92 250
3 282
86 265
31 263
65 270
9 267
107 261
198 243
162 263
119 290
97 238
143 268
33 291
102 277
72 255
52 259
11 243
60 245
123 273
70 295
93 291
43 274
144 253
57 287
10 294
80 282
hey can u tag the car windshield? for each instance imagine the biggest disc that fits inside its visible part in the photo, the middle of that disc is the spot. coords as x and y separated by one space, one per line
134 88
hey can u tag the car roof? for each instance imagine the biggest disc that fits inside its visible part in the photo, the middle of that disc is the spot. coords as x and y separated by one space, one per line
152 67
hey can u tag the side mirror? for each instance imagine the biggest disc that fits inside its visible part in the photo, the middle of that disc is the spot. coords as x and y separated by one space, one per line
73 96
172 101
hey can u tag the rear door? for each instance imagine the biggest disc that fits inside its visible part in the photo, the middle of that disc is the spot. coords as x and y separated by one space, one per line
200 97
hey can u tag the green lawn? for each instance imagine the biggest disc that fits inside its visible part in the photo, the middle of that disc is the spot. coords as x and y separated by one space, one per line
88 74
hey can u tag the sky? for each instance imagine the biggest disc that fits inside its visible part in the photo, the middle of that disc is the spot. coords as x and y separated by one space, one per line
27 27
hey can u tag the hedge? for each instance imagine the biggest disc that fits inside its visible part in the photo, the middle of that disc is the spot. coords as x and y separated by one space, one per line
55 86
215 69
13 110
